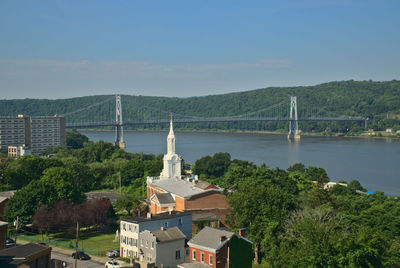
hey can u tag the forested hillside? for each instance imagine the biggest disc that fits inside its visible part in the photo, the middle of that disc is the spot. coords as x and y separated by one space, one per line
379 101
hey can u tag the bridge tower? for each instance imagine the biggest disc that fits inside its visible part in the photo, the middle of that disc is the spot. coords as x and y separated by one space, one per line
119 130
294 122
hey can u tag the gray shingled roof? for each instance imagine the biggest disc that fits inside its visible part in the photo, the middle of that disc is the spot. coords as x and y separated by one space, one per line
165 215
180 187
7 194
208 216
202 185
193 265
210 238
165 198
23 251
169 234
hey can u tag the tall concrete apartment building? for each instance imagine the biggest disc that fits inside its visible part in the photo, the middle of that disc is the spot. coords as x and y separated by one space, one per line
37 132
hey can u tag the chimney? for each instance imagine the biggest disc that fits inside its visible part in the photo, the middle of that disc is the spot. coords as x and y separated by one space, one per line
242 232
148 215
222 238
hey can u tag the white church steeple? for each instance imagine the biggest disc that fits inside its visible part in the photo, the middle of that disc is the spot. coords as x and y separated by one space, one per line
172 162
171 139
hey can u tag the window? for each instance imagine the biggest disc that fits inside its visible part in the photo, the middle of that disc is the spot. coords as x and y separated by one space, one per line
202 257
210 259
177 254
194 254
152 244
147 244
180 221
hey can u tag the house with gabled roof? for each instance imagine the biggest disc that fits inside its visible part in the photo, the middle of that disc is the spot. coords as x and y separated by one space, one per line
162 248
131 229
217 248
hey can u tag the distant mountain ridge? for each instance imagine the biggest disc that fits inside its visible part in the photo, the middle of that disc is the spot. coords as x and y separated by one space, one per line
353 98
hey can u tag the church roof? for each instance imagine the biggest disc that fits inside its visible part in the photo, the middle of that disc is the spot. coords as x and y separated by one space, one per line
165 198
205 185
180 187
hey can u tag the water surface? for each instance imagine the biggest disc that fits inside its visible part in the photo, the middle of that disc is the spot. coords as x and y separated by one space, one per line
375 163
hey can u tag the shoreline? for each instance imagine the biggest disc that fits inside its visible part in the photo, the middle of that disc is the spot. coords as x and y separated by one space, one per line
307 134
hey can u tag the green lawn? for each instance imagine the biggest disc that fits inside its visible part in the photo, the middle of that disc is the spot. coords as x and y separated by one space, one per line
93 243
258 266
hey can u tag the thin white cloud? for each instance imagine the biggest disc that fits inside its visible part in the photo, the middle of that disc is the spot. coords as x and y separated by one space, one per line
12 67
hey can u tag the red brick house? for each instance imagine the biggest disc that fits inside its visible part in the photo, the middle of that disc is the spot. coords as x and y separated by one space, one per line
217 248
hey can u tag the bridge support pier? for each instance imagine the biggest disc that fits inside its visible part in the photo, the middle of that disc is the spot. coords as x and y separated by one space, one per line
294 133
119 130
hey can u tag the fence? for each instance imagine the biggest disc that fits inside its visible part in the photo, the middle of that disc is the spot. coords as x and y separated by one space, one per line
62 244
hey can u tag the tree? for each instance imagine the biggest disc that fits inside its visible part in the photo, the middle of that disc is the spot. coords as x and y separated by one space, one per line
64 184
127 203
76 140
321 238
213 167
297 167
57 183
27 168
131 170
356 185
260 208
63 215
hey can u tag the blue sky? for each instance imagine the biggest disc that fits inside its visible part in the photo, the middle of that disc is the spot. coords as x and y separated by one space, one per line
60 49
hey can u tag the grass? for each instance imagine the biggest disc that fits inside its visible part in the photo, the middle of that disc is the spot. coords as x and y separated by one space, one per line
93 243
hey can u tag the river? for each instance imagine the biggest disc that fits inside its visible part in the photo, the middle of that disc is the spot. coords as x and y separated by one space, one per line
375 163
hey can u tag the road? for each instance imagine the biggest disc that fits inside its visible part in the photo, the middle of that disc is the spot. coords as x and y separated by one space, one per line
81 264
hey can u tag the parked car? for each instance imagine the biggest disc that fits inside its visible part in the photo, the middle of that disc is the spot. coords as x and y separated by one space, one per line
113 253
80 255
112 264
9 241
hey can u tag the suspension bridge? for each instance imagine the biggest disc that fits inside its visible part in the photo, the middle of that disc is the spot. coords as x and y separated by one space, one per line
91 117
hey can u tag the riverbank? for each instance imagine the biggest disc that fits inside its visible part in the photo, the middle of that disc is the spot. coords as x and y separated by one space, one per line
364 135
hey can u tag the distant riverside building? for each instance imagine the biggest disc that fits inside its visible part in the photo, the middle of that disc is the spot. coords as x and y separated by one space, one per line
14 131
36 133
46 132
17 151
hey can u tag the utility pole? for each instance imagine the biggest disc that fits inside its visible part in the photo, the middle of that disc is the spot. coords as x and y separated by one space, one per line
16 230
76 245
228 258
119 175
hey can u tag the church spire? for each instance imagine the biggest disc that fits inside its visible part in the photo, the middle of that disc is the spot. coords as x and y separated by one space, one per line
172 162
171 128
171 139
